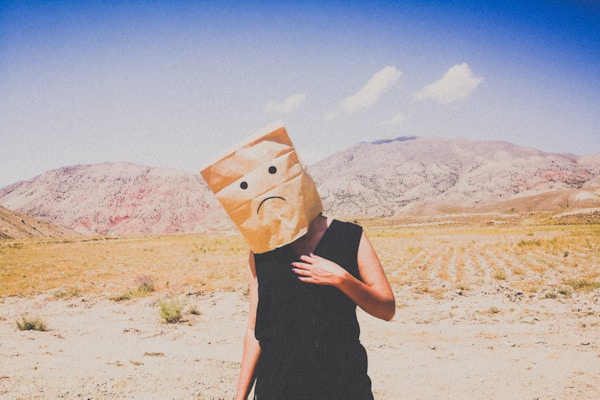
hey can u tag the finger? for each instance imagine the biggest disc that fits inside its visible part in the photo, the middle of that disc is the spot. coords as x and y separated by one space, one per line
301 265
308 259
302 272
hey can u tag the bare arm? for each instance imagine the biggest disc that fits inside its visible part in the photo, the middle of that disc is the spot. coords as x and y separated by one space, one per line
373 294
251 351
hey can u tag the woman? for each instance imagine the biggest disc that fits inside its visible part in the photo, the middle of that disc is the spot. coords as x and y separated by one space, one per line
302 337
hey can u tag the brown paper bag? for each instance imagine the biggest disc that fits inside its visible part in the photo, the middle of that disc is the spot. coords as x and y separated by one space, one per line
265 189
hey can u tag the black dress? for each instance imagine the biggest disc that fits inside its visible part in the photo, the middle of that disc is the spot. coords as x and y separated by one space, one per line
309 334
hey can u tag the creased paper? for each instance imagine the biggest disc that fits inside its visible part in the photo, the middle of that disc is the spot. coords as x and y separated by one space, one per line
265 189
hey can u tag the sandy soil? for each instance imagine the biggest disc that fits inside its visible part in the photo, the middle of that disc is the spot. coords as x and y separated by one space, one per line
489 343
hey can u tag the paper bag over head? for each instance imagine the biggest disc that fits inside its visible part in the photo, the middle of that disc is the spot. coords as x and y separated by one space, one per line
265 189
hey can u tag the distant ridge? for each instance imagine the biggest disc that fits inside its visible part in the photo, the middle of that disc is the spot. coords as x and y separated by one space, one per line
423 176
14 225
406 176
118 199
398 139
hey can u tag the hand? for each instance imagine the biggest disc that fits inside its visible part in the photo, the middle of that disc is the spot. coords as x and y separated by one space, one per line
319 271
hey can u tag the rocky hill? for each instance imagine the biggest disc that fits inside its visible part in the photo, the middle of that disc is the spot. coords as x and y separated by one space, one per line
14 225
117 199
409 175
390 178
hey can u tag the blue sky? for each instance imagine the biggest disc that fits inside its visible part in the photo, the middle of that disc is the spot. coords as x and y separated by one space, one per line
173 83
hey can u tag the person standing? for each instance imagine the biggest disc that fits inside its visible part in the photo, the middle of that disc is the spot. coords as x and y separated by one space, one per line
308 273
302 338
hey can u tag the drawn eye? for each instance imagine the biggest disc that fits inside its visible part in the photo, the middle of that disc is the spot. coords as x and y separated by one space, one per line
272 170
244 185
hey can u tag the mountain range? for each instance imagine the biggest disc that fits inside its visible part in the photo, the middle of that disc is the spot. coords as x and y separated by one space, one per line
117 199
406 176
417 176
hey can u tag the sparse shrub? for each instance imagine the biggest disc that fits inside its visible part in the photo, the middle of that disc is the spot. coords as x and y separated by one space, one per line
246 292
584 285
414 250
171 311
534 242
121 297
194 310
494 310
550 295
33 324
500 275
463 287
565 292
154 354
72 292
145 285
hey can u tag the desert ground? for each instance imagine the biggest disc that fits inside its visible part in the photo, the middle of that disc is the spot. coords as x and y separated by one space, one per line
494 309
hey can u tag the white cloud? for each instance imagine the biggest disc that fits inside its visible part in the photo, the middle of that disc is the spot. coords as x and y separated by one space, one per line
288 105
457 84
397 119
370 93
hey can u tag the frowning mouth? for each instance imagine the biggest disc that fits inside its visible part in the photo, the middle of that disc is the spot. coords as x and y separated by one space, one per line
268 198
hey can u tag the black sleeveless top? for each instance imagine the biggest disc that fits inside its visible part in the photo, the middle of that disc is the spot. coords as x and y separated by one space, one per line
309 334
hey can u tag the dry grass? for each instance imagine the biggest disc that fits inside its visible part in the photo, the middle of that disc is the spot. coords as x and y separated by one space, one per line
115 266
550 260
528 258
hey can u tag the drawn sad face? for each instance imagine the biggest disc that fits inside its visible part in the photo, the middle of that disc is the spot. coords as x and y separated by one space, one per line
266 191
244 186
268 195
